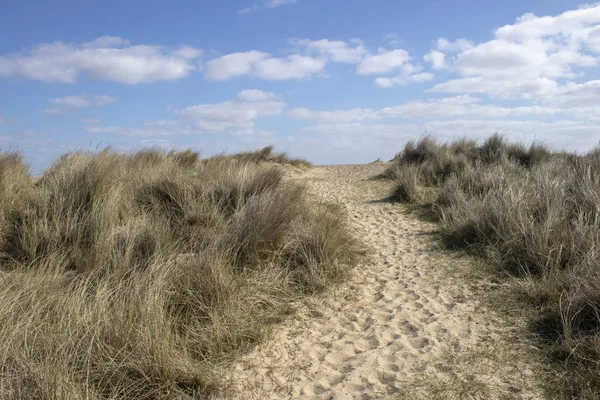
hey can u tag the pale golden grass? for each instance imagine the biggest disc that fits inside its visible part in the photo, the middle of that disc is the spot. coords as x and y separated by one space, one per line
535 216
136 275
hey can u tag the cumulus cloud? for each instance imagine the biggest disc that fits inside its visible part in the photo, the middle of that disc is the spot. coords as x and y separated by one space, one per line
106 41
107 58
409 73
393 61
311 57
576 95
383 62
233 65
525 60
236 116
264 66
404 80
337 51
443 44
266 4
291 67
437 59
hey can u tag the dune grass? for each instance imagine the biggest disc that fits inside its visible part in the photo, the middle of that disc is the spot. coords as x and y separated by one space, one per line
534 214
134 276
266 154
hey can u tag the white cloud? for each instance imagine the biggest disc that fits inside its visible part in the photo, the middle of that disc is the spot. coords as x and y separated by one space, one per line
409 73
463 106
233 116
502 59
593 40
255 95
437 59
233 65
404 79
236 116
108 58
527 59
443 44
63 104
263 65
586 95
264 4
383 62
524 88
291 67
83 101
310 58
355 114
106 41
187 52
574 24
336 50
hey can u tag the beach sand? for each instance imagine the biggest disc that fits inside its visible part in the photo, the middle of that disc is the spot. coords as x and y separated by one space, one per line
408 324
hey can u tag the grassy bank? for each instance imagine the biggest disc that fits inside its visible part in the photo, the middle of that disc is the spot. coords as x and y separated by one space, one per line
135 275
533 214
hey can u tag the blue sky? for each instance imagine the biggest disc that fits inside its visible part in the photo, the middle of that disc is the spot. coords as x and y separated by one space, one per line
332 81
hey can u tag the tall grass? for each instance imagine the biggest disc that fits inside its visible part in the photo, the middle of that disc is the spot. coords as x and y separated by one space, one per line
134 276
533 214
266 154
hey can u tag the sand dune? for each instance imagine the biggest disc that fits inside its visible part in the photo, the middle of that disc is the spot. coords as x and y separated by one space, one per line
405 326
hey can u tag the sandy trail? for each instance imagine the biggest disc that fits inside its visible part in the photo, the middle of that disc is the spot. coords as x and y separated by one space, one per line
403 327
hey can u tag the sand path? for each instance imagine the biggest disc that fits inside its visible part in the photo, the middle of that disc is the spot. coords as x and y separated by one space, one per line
405 326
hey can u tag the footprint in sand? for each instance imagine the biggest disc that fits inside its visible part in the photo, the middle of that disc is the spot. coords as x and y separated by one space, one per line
403 318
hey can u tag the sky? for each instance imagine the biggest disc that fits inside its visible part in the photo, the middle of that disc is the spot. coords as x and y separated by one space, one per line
333 81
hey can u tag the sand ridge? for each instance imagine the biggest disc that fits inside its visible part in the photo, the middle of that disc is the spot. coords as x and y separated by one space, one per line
401 328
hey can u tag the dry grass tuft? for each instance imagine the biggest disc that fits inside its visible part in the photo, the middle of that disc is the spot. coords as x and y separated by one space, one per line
134 276
267 155
406 185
